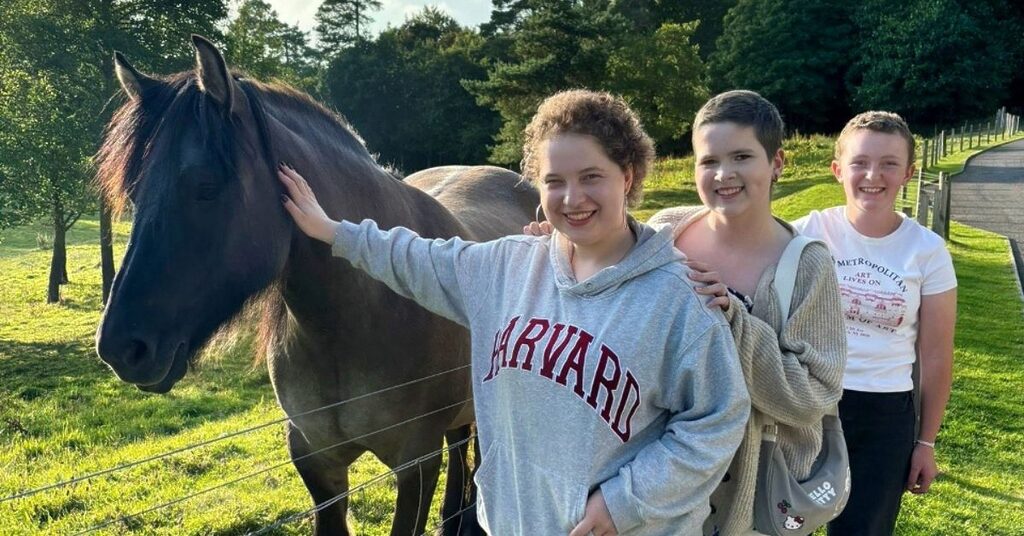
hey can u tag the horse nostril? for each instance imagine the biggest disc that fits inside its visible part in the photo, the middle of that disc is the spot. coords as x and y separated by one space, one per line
135 352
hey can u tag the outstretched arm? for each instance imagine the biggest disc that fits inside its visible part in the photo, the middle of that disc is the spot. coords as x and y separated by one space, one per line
437 274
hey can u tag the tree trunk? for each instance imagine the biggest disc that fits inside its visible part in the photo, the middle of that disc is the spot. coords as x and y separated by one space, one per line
109 33
106 248
58 263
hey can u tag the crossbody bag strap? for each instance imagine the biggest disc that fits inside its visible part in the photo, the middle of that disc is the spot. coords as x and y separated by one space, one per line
785 282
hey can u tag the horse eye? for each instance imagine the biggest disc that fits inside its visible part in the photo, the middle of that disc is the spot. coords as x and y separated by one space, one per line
207 191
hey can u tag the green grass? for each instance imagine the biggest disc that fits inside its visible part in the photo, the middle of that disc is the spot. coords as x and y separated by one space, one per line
62 413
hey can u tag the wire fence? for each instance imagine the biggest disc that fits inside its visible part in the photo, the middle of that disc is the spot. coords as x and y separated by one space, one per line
265 470
341 496
174 452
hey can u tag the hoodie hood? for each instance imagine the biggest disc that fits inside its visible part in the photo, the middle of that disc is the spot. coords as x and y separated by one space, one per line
653 249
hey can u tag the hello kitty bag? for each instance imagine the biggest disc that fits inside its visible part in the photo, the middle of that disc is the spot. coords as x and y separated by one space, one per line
783 505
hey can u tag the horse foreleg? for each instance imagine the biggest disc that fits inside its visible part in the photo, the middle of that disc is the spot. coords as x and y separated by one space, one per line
416 485
325 479
457 515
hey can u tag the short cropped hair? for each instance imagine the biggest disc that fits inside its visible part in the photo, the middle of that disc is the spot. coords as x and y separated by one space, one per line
748 109
605 117
878 121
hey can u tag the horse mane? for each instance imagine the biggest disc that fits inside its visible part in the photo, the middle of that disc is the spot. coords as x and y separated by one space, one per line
130 136
134 125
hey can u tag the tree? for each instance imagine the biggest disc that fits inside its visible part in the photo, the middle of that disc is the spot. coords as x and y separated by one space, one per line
258 43
47 114
936 62
664 80
649 15
540 47
58 77
794 53
342 23
402 93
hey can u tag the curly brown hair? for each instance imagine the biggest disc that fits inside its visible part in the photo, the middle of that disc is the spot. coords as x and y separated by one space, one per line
601 115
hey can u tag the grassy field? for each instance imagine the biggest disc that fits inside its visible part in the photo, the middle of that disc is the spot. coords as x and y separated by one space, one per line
63 414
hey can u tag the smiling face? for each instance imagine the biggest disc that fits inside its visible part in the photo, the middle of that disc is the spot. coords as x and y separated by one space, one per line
582 191
733 172
872 168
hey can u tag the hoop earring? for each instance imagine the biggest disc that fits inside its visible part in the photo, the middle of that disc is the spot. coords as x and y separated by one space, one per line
538 213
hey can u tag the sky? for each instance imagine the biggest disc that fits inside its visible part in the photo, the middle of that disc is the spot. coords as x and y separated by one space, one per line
393 12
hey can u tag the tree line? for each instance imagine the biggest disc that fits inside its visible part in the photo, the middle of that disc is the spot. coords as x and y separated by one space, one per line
430 91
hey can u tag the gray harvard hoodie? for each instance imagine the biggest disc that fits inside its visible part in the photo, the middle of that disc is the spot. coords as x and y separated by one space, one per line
625 382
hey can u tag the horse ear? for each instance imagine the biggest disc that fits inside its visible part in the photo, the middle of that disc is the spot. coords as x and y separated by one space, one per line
212 72
132 81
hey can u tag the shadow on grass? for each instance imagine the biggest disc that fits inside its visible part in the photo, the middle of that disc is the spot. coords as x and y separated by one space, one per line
981 490
47 389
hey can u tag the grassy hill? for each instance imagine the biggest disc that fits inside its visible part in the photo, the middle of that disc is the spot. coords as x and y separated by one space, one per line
64 414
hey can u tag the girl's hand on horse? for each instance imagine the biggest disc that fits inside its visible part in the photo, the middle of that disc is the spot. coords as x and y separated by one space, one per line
538 228
713 285
301 203
596 519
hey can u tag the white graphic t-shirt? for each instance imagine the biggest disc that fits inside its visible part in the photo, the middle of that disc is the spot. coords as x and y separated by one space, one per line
881 281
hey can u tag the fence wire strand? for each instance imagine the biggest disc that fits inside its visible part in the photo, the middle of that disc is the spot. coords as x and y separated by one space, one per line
449 518
89 476
341 496
265 470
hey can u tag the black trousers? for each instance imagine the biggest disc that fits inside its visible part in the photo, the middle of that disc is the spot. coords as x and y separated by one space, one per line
879 430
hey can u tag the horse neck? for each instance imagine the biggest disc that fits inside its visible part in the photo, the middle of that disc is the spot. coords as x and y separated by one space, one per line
350 186
347 182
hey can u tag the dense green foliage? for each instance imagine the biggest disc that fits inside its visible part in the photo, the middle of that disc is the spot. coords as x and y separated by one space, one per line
793 52
402 93
539 47
954 60
258 43
937 62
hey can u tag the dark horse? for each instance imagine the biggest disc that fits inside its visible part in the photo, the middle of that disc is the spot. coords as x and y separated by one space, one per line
195 153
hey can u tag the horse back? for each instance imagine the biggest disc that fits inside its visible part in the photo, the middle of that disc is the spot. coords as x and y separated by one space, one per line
489 202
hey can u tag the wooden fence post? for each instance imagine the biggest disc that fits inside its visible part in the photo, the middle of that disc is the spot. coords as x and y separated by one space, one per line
924 155
939 206
922 207
946 206
962 132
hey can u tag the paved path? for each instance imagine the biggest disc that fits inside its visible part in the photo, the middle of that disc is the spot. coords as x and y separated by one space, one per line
989 195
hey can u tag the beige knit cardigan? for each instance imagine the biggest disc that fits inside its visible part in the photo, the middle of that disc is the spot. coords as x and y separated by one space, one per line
793 374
